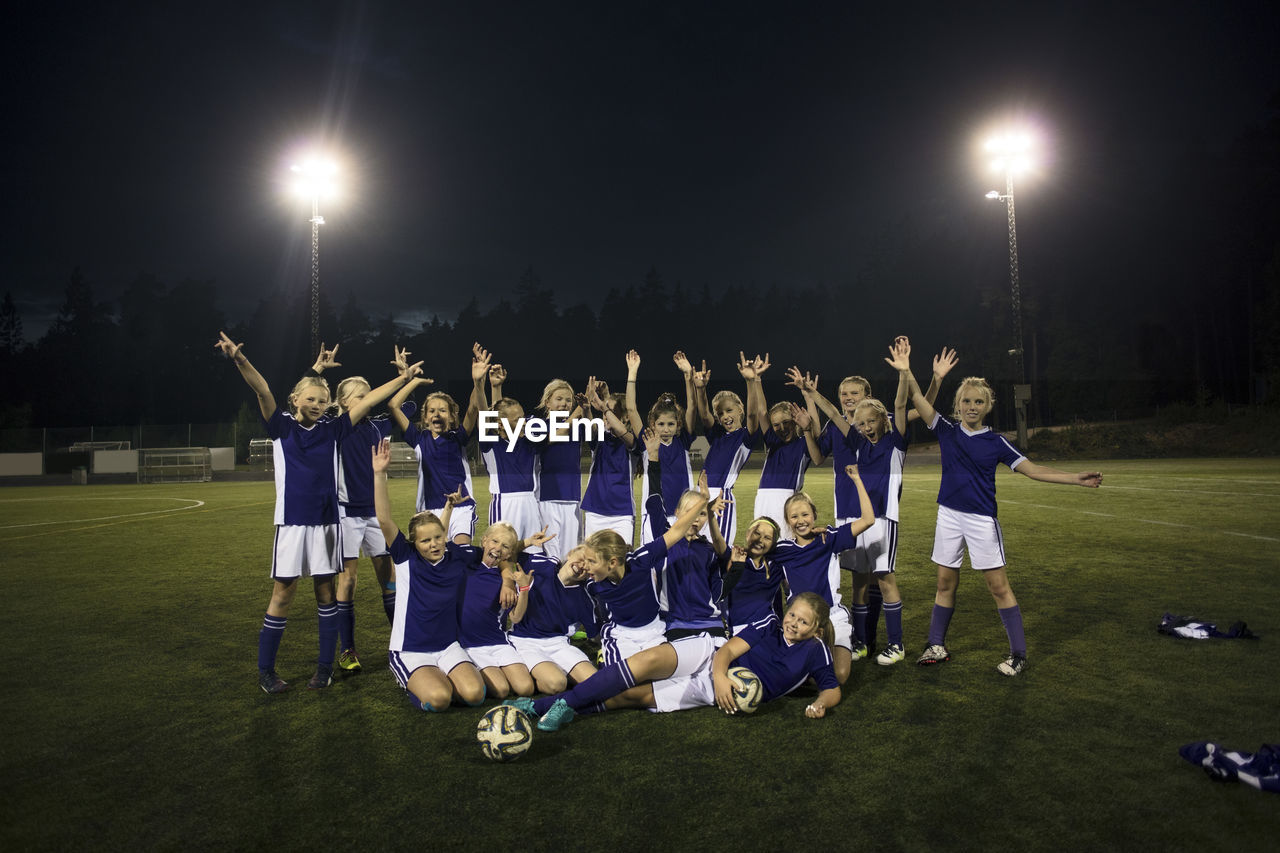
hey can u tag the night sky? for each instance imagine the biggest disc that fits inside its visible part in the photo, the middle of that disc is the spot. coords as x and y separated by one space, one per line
719 143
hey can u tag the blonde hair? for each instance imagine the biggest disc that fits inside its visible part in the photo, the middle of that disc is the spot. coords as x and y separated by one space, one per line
306 382
421 519
609 545
800 496
769 522
821 611
785 408
725 397
504 530
345 390
449 401
972 382
882 415
552 387
686 498
856 380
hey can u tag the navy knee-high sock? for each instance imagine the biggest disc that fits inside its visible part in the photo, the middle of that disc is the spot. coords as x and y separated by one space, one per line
346 625
1012 619
269 641
874 602
605 684
893 622
389 603
328 616
938 624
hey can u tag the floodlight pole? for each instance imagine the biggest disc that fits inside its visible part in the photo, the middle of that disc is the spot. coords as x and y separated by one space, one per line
1022 391
316 221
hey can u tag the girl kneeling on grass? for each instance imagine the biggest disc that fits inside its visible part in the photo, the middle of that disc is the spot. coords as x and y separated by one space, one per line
425 656
693 673
307 541
967 506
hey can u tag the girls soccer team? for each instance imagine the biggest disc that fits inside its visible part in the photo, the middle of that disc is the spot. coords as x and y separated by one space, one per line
677 611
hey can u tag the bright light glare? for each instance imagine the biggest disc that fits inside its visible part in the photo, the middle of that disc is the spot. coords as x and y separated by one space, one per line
315 178
994 194
1013 151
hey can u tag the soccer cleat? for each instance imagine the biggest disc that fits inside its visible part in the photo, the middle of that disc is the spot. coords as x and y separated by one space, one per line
349 662
272 683
893 653
322 679
1012 665
522 703
860 651
557 715
934 654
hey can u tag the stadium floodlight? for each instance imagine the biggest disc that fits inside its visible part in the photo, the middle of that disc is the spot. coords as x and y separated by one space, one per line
314 178
1012 154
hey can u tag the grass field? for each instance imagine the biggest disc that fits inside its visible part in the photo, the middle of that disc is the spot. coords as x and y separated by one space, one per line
132 717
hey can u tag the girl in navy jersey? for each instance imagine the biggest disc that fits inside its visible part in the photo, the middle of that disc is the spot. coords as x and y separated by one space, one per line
481 619
552 598
609 501
431 572
692 579
786 454
752 586
971 452
440 441
559 466
308 540
693 672
733 432
806 561
672 425
512 477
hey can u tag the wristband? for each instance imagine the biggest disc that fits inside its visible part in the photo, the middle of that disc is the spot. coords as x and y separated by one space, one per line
311 371
525 588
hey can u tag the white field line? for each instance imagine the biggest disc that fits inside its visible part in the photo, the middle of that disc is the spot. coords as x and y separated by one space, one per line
191 504
1201 492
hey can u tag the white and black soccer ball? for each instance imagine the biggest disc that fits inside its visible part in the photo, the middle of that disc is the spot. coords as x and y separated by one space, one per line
505 733
747 689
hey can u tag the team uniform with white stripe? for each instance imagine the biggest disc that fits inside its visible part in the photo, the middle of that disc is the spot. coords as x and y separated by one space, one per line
630 606
542 634
308 537
727 453
361 532
428 601
967 495
512 481
442 470
809 568
781 477
559 479
840 449
609 502
676 477
752 593
880 469
481 618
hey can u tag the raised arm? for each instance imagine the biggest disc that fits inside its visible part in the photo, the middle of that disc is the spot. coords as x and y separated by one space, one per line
382 392
691 405
233 351
479 370
497 378
714 510
900 360
868 517
900 401
524 582
381 496
808 386
942 364
684 521
759 366
397 401
701 379
615 424
748 371
1045 474
633 371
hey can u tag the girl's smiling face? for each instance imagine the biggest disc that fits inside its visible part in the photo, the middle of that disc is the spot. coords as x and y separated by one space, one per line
730 416
801 517
310 403
800 622
496 548
783 425
759 540
973 404
561 400
665 427
438 415
851 394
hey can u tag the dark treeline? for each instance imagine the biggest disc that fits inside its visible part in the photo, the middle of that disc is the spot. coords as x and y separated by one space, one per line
1185 309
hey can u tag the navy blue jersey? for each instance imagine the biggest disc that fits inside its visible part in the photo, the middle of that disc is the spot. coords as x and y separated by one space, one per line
880 469
784 463
752 597
677 475
553 607
783 666
969 461
512 470
481 621
428 597
355 466
306 467
833 444
609 489
692 584
727 453
633 601
442 465
809 568
559 466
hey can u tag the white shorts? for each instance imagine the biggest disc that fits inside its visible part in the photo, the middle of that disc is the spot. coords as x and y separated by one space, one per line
557 650
842 626
462 521
404 664
306 551
877 548
503 654
846 559
519 509
689 686
772 502
958 531
362 535
564 519
623 525
620 642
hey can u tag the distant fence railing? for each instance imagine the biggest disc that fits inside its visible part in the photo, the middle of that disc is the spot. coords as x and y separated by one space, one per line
56 440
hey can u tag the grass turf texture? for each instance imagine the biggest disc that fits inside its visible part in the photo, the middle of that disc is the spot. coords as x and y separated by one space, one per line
132 716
